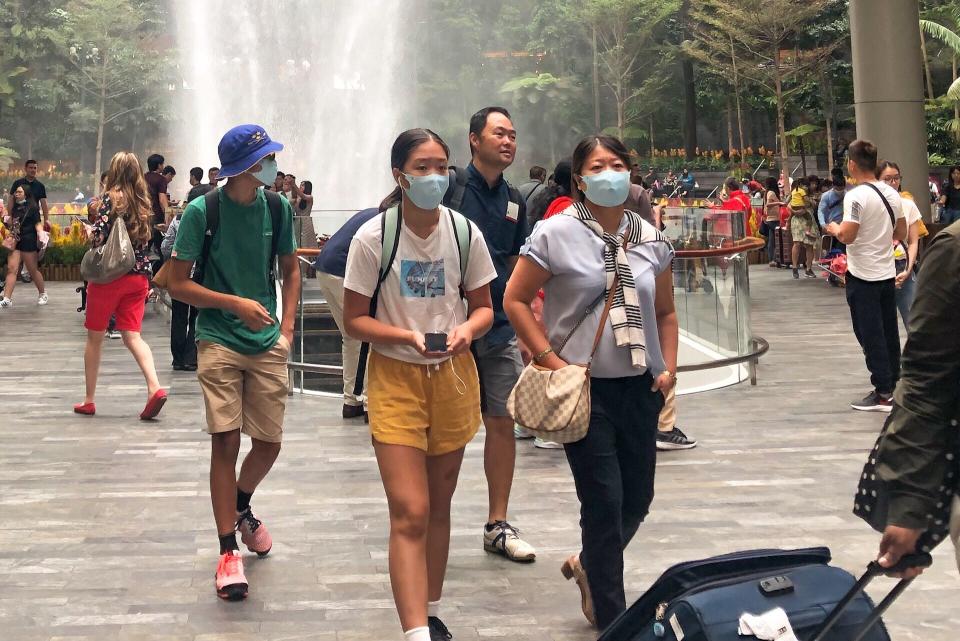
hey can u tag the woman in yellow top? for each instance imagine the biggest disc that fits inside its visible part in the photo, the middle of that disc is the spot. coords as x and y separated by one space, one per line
802 227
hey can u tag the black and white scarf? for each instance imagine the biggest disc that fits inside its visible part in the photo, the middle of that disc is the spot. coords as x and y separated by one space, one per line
625 316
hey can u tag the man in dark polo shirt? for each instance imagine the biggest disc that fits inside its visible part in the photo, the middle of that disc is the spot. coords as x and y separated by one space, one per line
37 188
487 202
159 200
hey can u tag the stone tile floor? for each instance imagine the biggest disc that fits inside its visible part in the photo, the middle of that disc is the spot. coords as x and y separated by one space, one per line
106 532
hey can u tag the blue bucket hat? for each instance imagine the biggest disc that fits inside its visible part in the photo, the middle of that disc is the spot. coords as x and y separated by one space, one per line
243 147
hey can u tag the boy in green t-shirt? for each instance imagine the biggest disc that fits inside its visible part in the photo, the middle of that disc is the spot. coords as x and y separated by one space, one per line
243 346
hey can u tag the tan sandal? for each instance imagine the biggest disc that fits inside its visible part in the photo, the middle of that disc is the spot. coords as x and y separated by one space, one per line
571 569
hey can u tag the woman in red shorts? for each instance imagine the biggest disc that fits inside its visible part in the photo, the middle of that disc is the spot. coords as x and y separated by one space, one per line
125 199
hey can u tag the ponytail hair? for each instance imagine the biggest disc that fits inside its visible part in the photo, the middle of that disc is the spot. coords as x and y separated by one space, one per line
403 146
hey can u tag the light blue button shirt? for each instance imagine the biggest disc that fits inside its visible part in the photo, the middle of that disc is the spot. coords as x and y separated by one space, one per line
573 255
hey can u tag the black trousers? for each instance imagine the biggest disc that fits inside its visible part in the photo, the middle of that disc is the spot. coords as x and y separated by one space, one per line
183 327
613 469
873 309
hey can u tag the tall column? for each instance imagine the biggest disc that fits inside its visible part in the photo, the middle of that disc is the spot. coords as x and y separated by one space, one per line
888 87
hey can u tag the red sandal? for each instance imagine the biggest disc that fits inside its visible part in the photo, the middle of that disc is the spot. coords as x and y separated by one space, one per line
154 405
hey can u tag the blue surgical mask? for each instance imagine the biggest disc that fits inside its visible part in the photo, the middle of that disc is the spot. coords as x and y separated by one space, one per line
427 192
609 188
268 171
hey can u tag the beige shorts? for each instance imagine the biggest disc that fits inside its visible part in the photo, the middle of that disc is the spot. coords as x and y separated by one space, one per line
245 392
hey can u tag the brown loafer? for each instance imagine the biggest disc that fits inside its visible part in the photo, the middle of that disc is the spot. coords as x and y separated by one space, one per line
571 569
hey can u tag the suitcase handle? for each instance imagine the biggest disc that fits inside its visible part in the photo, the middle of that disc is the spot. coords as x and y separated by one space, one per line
874 570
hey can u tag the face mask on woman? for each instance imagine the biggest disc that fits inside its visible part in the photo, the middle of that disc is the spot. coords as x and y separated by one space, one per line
22 202
426 192
609 188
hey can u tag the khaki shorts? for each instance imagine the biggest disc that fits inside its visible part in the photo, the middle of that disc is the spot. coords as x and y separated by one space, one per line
244 391
422 406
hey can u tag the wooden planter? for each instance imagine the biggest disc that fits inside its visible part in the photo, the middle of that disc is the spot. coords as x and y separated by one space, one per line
69 273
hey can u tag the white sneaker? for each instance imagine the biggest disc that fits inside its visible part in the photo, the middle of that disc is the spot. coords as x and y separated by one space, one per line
521 433
43 299
5 302
546 445
504 539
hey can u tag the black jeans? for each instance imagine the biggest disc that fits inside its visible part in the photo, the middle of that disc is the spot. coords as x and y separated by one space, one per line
613 469
873 309
183 327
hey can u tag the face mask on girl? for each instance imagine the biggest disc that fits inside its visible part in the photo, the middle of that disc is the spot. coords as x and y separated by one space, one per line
426 192
268 171
22 202
609 188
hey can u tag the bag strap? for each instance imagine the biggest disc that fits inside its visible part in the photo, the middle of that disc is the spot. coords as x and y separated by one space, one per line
464 235
390 222
276 218
458 187
603 317
893 217
211 201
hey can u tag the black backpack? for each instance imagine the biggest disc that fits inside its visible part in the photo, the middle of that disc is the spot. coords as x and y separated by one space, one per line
458 187
212 202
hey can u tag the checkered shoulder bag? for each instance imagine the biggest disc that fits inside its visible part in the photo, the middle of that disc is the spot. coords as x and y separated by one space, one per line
555 404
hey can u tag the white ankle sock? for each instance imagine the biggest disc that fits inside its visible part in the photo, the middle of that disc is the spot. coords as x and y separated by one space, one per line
433 608
417 634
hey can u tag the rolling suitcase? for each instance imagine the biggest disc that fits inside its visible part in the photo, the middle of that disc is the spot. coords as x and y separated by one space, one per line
703 600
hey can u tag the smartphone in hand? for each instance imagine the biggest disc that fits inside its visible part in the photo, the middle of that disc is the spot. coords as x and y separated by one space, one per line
435 341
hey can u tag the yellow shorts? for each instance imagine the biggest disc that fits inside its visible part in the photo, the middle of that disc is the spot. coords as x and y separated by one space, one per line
421 406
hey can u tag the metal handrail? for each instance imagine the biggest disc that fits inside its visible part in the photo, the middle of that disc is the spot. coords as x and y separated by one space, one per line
759 346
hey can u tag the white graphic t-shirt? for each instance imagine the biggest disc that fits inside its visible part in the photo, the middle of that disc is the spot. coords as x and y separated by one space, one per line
422 290
870 256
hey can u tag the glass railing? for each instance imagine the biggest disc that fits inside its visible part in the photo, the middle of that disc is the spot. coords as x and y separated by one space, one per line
711 292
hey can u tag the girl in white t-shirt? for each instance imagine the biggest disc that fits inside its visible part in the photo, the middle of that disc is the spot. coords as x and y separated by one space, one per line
424 405
904 253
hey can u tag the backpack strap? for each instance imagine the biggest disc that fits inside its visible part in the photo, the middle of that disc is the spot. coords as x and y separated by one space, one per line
458 187
463 232
390 222
276 216
211 201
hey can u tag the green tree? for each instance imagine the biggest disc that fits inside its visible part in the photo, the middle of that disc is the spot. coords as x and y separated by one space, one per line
116 65
630 53
766 36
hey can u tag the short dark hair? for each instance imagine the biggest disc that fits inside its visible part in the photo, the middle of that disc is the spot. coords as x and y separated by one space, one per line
169 171
538 173
801 182
863 154
403 146
732 183
772 184
479 120
280 174
196 173
30 162
154 161
216 169
586 147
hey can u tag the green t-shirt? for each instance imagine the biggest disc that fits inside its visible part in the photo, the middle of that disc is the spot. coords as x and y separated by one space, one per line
238 265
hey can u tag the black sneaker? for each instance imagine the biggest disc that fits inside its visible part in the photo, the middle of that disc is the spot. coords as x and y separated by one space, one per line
674 440
874 402
809 274
796 273
438 631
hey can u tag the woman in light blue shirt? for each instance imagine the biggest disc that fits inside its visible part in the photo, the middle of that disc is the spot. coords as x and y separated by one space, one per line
574 257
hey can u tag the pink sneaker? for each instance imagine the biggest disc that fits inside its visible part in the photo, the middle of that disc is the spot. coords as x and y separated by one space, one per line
231 582
253 533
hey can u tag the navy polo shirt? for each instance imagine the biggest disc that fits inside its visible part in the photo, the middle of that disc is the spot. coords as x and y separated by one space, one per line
333 257
504 228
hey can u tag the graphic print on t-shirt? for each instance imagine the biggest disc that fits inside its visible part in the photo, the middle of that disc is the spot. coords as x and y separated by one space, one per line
422 279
